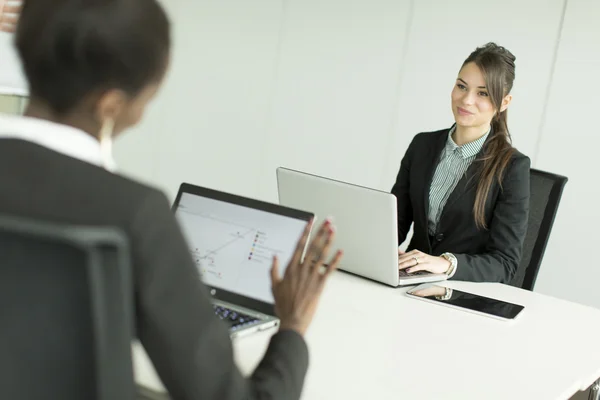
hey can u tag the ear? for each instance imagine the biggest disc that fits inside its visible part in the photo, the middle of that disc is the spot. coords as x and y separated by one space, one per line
505 102
111 105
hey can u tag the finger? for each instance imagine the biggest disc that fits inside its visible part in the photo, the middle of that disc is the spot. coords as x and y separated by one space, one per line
301 245
409 263
275 279
409 260
406 264
411 254
9 19
311 272
405 258
7 28
419 267
317 244
333 264
322 254
12 9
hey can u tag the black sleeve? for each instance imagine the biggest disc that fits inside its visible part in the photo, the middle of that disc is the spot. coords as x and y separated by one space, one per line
190 348
401 190
507 231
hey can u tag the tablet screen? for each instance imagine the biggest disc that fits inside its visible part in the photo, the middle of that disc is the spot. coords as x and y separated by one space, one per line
468 301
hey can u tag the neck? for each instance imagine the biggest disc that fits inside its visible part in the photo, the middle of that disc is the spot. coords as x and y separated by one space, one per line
468 134
39 110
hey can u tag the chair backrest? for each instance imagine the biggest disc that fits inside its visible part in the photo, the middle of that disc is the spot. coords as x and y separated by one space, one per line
66 312
546 192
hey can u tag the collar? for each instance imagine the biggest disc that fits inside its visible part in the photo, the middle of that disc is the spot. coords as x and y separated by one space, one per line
60 138
467 150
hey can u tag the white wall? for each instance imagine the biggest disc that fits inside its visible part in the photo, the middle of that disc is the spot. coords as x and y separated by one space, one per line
213 113
336 88
569 145
339 87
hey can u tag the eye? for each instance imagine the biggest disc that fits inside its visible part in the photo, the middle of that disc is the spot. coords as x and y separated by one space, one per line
484 94
461 86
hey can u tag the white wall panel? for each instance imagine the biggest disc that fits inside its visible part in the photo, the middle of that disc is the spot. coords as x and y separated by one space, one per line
336 89
212 119
569 146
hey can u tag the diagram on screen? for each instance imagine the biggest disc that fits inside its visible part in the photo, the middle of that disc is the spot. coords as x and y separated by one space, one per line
224 249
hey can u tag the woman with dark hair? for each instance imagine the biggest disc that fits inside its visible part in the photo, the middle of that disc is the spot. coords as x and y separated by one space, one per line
92 68
467 188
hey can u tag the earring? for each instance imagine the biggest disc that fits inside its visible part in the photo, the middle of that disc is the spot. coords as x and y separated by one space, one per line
105 138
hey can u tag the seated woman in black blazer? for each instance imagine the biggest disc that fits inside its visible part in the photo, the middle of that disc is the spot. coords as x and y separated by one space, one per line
467 188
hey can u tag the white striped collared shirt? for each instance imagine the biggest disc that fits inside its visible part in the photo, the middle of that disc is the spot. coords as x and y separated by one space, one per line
453 164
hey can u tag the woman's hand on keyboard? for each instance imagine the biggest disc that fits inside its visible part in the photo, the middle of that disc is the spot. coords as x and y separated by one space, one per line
297 294
416 260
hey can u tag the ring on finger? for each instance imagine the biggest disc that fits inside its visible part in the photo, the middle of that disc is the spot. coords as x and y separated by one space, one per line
416 260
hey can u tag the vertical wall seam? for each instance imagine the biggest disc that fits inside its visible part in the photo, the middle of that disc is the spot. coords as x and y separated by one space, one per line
270 114
396 108
538 144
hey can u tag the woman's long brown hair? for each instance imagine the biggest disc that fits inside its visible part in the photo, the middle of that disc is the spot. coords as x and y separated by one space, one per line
498 67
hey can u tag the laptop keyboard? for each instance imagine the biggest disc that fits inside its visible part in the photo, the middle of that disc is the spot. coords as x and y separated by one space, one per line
233 318
403 274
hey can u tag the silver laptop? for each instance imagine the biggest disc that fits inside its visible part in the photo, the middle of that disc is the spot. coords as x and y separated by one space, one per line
366 224
233 240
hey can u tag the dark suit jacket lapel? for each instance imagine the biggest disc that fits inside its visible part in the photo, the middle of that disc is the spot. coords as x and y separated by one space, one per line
468 181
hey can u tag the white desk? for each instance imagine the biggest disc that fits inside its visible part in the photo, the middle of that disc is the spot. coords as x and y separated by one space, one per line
370 341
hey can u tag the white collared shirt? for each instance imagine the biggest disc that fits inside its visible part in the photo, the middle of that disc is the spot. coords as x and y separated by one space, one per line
63 139
452 166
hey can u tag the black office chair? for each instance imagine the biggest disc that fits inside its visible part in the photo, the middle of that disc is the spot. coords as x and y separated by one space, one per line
65 312
546 191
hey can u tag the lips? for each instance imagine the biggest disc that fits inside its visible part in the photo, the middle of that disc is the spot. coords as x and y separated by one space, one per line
464 112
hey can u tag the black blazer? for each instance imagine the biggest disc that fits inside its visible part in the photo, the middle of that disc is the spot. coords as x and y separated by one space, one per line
491 255
189 347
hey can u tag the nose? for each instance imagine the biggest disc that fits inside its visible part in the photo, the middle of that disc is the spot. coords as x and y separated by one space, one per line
469 98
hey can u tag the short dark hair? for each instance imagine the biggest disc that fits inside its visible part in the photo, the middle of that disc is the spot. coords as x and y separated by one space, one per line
73 48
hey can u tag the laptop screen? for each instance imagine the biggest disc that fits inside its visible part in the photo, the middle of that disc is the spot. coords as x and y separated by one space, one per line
233 239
